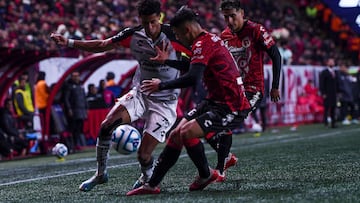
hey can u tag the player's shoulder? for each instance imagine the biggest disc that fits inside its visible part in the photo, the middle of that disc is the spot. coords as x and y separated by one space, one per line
252 25
203 39
125 33
226 33
166 29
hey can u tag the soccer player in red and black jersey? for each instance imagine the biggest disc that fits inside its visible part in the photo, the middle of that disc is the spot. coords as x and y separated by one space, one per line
224 108
247 41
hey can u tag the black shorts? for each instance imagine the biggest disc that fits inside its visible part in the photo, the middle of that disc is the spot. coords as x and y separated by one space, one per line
254 99
215 118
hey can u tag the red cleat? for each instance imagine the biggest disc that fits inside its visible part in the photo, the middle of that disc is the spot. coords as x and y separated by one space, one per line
201 183
221 177
230 161
144 190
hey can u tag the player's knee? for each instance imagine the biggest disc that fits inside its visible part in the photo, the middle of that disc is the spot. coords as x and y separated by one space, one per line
186 131
107 127
105 131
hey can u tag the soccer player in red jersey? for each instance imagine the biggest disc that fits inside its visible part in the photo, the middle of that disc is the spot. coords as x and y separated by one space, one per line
247 41
224 108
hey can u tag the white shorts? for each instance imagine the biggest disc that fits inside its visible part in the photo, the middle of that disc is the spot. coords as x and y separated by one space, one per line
159 116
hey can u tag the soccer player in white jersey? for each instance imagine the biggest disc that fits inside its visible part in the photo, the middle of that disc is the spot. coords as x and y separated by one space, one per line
158 109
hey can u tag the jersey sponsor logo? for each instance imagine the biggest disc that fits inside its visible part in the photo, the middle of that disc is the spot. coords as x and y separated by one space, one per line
228 119
141 43
215 38
197 51
192 112
151 64
207 123
236 49
246 43
239 81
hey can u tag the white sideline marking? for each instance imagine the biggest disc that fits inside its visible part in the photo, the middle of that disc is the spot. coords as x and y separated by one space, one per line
273 141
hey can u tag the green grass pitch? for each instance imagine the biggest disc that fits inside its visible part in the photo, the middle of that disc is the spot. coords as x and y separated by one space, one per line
311 164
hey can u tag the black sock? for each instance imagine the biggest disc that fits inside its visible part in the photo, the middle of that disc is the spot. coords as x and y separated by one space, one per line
223 151
213 142
197 155
166 160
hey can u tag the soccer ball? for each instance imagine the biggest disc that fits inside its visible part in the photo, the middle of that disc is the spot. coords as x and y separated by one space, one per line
60 150
126 139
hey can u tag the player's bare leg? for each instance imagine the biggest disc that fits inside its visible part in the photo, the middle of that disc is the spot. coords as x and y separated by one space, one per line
146 161
117 115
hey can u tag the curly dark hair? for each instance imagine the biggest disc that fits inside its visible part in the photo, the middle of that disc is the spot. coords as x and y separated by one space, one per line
149 7
184 14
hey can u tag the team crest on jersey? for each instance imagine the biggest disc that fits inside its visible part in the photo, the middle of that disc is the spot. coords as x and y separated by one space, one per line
246 42
207 123
198 44
129 96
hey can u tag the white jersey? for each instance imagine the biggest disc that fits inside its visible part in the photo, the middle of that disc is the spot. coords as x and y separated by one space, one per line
143 48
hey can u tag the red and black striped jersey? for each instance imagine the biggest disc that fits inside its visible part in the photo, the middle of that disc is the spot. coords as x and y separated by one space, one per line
221 75
247 47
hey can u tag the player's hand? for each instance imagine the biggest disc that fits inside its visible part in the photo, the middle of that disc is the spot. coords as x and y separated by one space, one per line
162 53
275 95
59 39
150 86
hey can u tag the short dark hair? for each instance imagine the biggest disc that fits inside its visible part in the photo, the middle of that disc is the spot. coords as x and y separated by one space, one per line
230 4
149 7
41 75
91 85
184 14
110 75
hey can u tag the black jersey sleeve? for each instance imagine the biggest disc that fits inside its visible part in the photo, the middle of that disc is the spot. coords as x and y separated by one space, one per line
275 56
182 64
190 78
178 46
125 33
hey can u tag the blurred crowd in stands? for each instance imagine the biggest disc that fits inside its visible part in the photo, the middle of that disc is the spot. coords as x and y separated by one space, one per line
306 29
18 134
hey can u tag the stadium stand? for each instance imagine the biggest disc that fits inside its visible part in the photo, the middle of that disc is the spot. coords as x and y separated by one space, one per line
27 24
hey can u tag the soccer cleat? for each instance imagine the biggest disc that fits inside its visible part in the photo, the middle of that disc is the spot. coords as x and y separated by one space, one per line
201 183
95 180
221 177
144 190
230 161
141 181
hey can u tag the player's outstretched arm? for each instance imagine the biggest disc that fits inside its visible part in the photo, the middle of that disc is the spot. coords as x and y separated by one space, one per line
94 46
275 56
189 79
